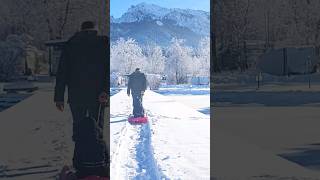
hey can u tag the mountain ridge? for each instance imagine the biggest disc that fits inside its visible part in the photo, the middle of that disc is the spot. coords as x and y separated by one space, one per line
163 22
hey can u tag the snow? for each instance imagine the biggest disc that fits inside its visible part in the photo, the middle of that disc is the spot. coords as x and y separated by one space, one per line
196 20
40 139
175 144
196 97
137 13
249 77
159 23
271 132
237 158
252 141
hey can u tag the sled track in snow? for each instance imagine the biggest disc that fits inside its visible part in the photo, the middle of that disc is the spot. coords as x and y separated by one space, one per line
120 157
133 157
147 166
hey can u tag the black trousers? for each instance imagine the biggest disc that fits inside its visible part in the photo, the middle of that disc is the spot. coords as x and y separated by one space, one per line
138 110
91 154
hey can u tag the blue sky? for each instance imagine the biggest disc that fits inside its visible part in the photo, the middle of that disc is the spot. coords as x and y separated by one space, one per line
118 7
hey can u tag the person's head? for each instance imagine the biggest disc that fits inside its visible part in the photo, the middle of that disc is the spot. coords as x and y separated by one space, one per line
137 69
87 25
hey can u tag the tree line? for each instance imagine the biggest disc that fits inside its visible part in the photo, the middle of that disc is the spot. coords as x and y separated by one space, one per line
177 62
34 22
272 23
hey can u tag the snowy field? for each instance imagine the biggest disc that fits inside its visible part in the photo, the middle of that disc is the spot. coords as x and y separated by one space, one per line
196 97
175 144
267 133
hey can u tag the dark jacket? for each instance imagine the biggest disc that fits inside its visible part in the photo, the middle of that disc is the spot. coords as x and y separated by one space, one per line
83 68
137 82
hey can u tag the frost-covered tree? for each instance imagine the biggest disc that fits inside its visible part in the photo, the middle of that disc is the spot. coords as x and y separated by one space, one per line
12 50
155 59
200 64
126 55
196 70
203 53
178 62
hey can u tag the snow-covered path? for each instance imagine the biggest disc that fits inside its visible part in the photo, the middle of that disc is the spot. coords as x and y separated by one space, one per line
35 139
175 144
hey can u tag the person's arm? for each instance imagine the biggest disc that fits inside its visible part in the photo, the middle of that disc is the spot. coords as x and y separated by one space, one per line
105 94
61 81
106 64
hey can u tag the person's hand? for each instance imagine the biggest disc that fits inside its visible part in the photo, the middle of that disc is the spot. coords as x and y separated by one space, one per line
103 98
60 106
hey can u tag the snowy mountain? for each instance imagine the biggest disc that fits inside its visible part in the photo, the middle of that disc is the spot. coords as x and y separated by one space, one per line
141 12
151 23
112 19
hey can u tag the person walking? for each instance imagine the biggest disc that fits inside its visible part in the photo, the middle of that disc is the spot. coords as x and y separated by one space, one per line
137 85
83 69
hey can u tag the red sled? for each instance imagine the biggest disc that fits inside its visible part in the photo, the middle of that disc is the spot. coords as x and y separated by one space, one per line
138 120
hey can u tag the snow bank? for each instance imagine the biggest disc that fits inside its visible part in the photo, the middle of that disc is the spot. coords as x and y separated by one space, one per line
181 138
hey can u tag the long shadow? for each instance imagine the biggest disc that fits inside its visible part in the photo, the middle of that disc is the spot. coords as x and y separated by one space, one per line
289 98
118 115
205 110
7 101
183 92
10 173
308 156
28 173
27 168
124 120
114 91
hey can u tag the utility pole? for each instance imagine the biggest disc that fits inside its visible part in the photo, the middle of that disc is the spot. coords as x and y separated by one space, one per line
309 70
100 16
285 62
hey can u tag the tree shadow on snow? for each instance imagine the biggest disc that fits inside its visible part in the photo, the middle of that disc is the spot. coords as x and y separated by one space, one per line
183 91
308 156
205 110
289 98
124 120
25 171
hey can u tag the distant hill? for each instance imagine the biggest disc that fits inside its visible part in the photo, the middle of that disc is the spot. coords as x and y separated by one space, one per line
148 23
